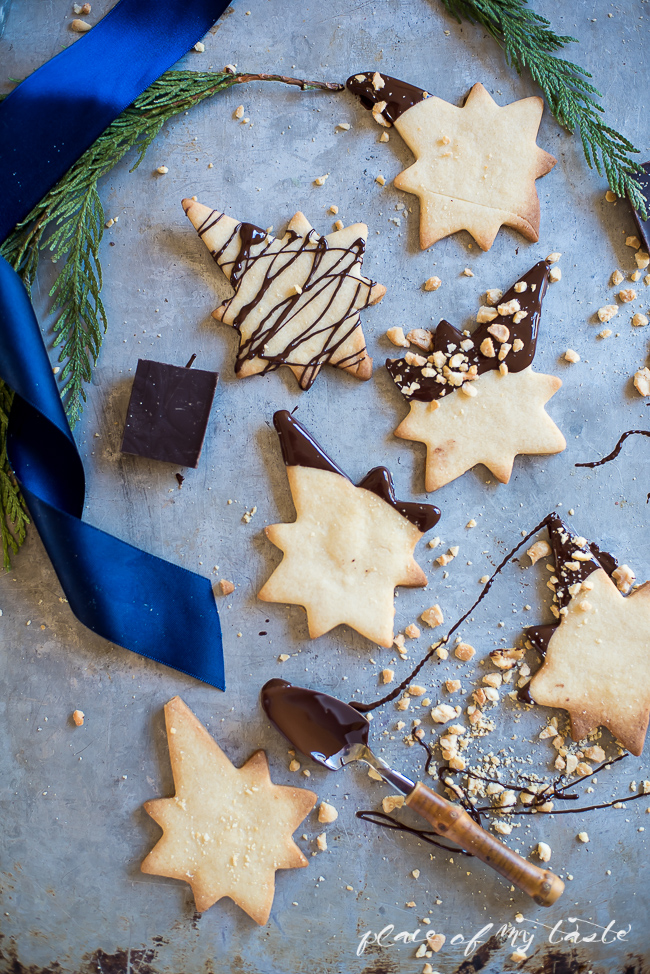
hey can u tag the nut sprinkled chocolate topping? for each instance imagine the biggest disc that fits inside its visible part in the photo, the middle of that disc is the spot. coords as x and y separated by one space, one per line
373 88
509 337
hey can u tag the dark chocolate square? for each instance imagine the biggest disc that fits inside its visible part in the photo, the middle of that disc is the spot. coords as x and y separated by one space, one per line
644 225
168 412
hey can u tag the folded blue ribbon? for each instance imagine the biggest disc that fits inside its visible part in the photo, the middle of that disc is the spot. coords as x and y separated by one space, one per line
56 113
131 598
125 595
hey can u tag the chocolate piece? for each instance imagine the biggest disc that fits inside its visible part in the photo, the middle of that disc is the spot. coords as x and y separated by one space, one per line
300 449
644 225
315 723
413 384
168 412
398 95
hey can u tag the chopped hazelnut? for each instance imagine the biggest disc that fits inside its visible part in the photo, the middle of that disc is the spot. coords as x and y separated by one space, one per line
554 275
432 284
468 273
487 348
500 332
571 356
642 381
283 657
78 717
452 685
605 333
162 170
433 617
384 137
226 587
294 765
639 320
509 308
464 651
610 197
624 578
493 296
582 837
541 549
238 112
416 690
595 753
543 851
469 390
633 242
642 259
626 295
343 126
443 713
334 209
387 675
435 941
616 278
80 26
380 179
397 337
485 314
199 47
320 180
517 345
442 653
321 842
607 312
337 225
421 337
377 81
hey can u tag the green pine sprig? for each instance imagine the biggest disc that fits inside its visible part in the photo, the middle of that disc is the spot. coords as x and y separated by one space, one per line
69 223
529 43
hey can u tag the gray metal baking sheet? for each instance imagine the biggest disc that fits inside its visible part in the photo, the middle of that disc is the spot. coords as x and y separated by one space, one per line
72 898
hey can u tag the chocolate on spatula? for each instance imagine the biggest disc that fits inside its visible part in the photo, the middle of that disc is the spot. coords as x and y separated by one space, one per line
168 412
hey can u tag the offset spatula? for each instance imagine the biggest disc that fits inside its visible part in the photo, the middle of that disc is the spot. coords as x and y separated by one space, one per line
333 734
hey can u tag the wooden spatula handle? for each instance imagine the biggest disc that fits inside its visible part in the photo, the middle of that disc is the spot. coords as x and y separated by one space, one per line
454 823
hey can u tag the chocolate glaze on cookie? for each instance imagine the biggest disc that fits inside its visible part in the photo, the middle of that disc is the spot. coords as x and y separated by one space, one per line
415 382
398 95
569 570
299 448
254 243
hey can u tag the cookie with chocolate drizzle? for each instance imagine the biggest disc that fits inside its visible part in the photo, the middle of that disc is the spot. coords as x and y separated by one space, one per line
476 165
475 398
349 547
596 663
297 299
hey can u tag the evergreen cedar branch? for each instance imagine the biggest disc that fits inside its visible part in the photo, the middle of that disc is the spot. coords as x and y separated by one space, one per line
73 213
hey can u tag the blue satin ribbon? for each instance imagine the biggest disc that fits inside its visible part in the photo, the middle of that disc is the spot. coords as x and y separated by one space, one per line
125 595
50 119
132 598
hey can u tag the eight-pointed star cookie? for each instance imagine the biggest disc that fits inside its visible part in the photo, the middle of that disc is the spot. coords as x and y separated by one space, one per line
297 298
476 165
476 399
349 547
227 830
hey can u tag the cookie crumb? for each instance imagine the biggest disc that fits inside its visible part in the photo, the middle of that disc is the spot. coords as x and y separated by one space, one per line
397 337
387 675
327 813
433 617
320 180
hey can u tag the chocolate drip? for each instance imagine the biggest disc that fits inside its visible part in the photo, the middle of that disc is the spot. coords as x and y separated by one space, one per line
569 570
300 449
380 482
617 449
413 384
320 287
315 723
398 95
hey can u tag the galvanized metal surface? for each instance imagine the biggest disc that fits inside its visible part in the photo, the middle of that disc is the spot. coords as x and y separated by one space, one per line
72 897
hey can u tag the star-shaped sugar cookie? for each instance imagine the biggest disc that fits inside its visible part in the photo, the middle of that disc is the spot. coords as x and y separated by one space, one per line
506 417
476 165
297 298
475 398
349 547
597 664
227 830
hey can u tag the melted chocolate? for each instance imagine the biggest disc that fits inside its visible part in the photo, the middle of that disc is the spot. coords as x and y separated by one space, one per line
398 95
320 287
413 384
617 449
644 225
380 482
315 723
568 570
300 449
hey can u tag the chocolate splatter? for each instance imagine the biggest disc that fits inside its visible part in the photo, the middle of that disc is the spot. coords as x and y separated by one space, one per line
617 449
